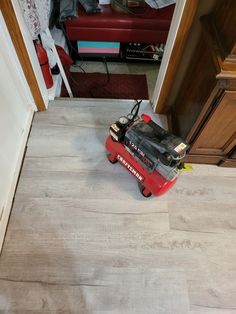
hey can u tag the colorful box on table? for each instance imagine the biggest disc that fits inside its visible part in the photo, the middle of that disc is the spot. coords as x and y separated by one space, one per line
98 48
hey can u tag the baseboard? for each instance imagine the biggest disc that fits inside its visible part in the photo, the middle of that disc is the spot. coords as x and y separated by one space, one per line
229 163
7 210
202 159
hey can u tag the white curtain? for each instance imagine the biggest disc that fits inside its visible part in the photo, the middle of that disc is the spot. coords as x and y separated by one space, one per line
36 15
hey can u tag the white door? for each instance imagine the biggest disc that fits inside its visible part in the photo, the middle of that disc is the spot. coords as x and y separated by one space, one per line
16 112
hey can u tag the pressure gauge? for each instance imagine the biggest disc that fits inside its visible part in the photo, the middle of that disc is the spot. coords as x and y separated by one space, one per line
118 129
123 120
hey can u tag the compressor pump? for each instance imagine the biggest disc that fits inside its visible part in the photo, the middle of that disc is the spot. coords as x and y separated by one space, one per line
152 154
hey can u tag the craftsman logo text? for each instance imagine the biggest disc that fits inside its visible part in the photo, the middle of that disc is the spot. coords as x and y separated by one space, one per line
130 168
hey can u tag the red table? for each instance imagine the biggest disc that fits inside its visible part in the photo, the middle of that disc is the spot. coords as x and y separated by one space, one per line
151 26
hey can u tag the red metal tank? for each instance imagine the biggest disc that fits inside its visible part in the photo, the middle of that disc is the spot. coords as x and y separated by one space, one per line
43 61
151 183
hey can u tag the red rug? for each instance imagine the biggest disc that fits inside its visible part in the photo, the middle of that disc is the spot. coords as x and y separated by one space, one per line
96 85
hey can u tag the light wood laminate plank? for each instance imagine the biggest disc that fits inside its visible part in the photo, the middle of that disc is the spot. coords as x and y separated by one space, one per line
81 238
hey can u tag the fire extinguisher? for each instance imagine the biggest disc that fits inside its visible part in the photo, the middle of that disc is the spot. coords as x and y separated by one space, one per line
43 61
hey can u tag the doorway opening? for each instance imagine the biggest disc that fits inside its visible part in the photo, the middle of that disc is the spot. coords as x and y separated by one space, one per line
27 56
115 55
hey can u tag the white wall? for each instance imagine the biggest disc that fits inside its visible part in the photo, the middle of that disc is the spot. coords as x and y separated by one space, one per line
16 112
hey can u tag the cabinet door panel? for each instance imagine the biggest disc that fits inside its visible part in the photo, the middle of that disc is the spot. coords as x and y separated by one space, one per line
218 135
233 156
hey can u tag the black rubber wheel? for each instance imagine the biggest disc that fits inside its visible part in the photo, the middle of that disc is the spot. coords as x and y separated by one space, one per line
111 161
142 189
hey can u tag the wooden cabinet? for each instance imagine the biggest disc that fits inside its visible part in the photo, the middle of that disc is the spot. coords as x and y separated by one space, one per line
230 161
204 112
217 136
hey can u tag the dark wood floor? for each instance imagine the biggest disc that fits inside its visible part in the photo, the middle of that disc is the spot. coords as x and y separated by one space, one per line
81 239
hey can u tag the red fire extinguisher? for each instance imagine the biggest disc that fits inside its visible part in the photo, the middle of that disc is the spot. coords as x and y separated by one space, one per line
43 61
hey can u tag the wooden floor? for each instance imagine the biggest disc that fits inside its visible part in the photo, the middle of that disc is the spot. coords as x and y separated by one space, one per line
81 239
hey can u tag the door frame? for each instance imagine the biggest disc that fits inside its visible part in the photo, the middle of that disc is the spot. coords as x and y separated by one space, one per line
9 14
181 23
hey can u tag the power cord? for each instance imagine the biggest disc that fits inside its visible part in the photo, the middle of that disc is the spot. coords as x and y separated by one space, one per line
78 66
71 48
68 73
135 109
101 85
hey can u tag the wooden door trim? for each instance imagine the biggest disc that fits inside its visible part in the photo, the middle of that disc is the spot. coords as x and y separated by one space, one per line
21 51
230 163
185 24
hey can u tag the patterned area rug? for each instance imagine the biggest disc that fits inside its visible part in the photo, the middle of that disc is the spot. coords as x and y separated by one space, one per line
114 86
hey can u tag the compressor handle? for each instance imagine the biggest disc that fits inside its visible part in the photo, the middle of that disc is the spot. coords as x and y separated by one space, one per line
146 118
160 131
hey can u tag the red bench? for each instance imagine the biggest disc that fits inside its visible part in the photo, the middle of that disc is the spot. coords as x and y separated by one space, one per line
150 26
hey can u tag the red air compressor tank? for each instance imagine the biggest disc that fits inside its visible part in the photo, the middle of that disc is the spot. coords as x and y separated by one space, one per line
43 61
149 152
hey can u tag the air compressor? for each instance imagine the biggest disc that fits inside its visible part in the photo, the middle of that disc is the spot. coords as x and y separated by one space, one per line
149 152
